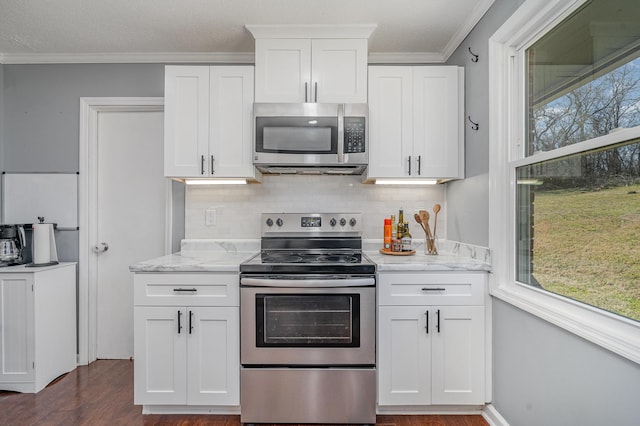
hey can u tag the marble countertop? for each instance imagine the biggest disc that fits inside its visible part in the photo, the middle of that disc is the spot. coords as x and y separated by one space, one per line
202 256
226 256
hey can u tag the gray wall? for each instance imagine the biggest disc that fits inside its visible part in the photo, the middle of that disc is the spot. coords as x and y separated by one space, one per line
41 106
542 375
42 112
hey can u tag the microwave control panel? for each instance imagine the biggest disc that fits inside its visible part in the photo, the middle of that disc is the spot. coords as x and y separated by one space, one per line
354 132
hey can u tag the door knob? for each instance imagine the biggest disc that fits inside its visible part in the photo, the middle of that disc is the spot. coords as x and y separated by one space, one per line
102 247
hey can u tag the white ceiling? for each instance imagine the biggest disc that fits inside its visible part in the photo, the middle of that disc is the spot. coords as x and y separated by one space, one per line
40 31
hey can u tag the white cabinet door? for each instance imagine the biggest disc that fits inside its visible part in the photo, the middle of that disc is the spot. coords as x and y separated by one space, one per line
208 128
16 329
416 122
160 353
390 121
283 70
186 121
458 355
230 126
214 356
339 70
404 356
437 121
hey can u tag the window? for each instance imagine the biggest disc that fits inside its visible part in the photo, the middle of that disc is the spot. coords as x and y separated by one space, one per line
565 169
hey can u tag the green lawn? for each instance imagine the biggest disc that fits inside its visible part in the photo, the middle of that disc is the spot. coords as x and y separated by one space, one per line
587 246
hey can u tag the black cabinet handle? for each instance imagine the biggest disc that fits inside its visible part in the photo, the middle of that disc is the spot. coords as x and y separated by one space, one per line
409 165
190 321
438 323
213 171
433 289
180 290
306 88
202 164
316 91
419 161
179 322
426 314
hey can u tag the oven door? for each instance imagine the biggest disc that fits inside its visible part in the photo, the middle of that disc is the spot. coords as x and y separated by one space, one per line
301 326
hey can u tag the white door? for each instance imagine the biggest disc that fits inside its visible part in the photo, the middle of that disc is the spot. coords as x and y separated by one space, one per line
283 70
213 355
339 69
404 355
436 121
131 199
390 121
458 355
186 127
161 356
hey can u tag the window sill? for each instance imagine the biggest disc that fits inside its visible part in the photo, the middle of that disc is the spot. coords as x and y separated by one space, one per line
615 333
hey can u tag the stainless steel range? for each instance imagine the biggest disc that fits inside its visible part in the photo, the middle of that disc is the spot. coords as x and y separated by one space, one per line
307 308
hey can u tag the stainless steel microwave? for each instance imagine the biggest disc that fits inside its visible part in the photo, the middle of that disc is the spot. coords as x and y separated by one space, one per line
310 138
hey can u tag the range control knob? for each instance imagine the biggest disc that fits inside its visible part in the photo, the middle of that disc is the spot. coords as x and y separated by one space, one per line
269 222
333 222
352 222
343 221
279 222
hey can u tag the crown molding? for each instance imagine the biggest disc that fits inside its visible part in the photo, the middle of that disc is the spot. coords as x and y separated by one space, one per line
465 29
311 31
396 58
131 58
196 57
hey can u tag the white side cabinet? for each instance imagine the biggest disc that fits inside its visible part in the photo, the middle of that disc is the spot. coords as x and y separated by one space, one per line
208 130
186 339
431 339
37 325
416 121
311 70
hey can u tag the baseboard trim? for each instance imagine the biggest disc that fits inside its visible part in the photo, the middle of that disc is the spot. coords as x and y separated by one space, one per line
190 409
430 410
493 417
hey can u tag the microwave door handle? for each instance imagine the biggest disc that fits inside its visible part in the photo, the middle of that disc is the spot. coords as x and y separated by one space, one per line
340 133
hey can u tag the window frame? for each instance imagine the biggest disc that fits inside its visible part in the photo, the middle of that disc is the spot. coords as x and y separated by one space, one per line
507 106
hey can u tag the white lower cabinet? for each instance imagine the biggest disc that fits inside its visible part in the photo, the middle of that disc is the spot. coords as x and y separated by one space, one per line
186 355
431 339
37 325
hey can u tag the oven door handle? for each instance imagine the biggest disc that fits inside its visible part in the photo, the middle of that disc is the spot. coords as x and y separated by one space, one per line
308 282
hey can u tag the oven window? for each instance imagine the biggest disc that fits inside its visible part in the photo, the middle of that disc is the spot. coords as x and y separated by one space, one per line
304 320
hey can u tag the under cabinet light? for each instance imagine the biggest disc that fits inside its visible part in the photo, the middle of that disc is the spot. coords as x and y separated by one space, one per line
406 182
215 181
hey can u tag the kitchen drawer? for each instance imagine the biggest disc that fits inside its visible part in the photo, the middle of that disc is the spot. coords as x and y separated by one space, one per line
186 289
426 288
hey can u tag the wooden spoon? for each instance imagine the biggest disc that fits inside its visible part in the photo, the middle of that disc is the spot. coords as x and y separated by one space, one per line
436 209
424 216
416 216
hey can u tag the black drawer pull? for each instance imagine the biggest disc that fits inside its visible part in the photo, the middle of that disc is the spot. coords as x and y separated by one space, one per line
190 290
433 289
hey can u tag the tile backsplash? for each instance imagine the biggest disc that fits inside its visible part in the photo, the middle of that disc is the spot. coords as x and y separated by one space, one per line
238 207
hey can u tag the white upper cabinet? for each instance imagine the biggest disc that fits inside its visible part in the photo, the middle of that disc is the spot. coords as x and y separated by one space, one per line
283 70
317 64
416 122
208 130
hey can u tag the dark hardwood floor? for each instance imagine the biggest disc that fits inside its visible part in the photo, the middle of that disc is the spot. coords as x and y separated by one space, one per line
102 394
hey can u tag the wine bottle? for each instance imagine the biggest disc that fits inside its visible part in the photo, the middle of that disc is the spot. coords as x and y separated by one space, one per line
406 238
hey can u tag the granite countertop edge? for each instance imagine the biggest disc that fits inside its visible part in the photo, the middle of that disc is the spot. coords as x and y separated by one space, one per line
204 255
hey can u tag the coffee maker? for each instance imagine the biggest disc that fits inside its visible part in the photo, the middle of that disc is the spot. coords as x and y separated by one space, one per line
12 243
